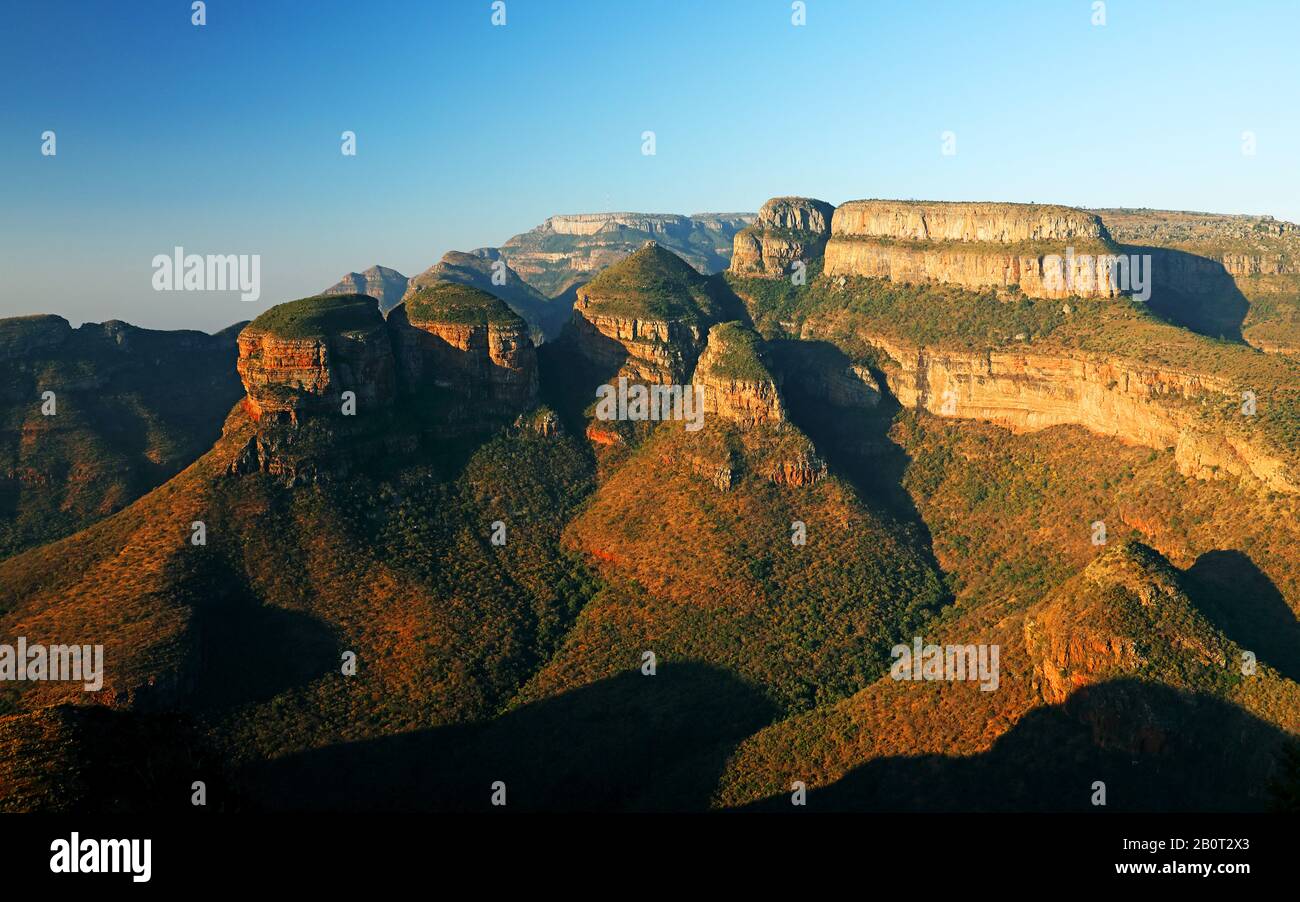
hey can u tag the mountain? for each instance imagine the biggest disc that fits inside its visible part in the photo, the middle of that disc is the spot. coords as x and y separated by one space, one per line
1117 677
385 285
438 555
486 270
128 408
565 251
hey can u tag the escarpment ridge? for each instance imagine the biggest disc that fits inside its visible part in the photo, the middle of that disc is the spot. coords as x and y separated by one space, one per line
1041 250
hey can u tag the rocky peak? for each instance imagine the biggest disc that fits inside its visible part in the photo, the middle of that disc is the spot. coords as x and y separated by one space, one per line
298 358
23 335
565 251
645 317
788 229
798 214
487 270
456 337
379 282
1127 609
738 386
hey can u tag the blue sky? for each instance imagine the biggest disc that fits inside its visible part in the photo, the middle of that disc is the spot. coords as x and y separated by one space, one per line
225 138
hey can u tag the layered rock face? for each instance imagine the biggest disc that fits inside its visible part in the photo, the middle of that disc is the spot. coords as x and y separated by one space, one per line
1243 245
737 384
128 408
1045 251
302 360
643 350
1037 275
966 222
465 340
1230 276
1027 391
645 318
450 348
788 229
387 286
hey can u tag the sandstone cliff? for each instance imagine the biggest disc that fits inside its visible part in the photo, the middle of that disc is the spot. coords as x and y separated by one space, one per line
299 358
1044 251
1027 390
487 270
645 318
788 229
565 251
1231 276
738 387
459 338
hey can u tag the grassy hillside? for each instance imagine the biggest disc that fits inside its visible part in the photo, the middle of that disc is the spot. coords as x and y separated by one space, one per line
131 408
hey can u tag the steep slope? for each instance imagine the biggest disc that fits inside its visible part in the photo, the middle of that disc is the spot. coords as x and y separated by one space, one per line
730 545
436 561
130 408
734 375
1115 676
646 317
1030 363
1231 276
486 270
1042 251
387 286
788 230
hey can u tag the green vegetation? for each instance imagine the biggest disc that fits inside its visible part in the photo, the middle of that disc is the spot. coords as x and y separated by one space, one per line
317 317
450 302
741 357
654 283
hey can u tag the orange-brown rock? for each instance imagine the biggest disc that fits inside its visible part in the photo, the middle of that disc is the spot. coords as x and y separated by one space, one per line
460 338
301 357
645 318
1027 390
738 387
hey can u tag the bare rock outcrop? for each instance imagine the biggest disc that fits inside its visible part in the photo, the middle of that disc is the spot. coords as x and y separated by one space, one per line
299 358
644 318
1140 403
1045 251
379 282
565 251
788 230
738 387
467 341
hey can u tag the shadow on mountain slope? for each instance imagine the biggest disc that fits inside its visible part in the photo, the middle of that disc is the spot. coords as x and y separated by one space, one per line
855 442
1243 602
627 742
1154 748
1194 292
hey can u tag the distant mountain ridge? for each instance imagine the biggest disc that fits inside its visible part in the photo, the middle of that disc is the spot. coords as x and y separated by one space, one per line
544 266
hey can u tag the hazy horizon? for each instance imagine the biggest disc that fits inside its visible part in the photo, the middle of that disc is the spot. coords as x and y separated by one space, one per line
225 138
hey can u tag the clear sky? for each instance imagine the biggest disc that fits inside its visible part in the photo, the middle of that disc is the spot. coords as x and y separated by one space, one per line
225 138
